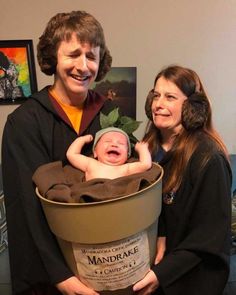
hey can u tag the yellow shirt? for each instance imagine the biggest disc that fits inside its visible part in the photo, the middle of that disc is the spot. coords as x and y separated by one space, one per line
74 113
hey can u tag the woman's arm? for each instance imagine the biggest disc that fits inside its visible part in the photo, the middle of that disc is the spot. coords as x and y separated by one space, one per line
204 227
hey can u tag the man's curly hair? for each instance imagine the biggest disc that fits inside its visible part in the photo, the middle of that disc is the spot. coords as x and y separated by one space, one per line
60 28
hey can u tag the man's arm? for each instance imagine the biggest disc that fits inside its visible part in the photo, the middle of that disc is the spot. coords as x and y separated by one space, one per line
30 239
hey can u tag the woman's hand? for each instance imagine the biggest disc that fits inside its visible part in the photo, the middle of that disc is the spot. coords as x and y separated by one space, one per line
161 248
147 285
73 286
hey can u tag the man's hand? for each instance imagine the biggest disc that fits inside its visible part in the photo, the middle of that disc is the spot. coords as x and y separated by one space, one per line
73 286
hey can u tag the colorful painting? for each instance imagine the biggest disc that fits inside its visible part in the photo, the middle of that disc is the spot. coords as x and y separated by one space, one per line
17 71
119 85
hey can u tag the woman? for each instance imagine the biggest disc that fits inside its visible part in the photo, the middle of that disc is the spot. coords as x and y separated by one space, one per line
194 227
73 49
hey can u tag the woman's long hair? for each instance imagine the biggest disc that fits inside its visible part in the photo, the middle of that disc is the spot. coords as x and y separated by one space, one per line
196 121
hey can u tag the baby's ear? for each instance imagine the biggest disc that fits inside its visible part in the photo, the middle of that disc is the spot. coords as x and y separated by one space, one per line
95 155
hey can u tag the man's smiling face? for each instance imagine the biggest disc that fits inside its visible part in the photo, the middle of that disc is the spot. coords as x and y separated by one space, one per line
77 68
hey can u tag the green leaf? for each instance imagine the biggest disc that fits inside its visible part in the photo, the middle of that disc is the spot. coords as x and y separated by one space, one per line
110 120
133 139
113 116
104 121
130 127
125 120
127 124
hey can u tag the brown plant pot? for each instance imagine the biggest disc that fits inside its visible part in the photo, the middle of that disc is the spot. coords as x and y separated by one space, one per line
106 222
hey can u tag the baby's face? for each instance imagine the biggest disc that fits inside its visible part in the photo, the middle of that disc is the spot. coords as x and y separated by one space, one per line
112 148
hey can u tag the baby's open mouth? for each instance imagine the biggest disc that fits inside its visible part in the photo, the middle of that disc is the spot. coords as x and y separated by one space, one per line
113 152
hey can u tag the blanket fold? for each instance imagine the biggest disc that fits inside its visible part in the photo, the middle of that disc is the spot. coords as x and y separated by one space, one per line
67 184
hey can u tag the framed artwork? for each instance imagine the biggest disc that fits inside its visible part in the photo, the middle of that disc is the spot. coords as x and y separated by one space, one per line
17 71
120 85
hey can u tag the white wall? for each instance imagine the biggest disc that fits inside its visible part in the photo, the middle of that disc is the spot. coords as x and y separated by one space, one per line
149 35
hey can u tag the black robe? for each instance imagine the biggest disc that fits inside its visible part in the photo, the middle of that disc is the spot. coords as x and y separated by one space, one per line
36 133
197 227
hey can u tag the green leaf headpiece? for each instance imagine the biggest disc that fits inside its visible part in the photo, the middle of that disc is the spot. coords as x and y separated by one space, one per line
125 123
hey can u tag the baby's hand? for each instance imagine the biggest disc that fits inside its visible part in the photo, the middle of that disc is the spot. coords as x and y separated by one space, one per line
141 145
87 138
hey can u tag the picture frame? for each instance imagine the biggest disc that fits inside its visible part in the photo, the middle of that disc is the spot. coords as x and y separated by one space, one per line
120 85
17 71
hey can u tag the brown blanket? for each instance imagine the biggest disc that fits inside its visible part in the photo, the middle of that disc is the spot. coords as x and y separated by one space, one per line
67 184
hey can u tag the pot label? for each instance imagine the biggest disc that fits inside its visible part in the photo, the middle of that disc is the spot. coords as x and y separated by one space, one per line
115 265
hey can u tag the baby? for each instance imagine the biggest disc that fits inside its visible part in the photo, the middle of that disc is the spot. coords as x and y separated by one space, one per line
111 150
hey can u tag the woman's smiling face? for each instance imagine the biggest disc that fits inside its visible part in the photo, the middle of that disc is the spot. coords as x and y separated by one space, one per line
77 68
167 106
